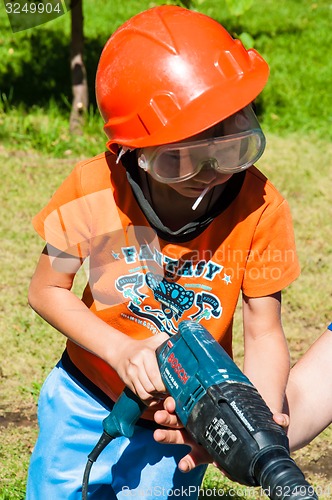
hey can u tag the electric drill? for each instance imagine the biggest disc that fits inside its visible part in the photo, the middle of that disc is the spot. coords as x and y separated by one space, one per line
221 410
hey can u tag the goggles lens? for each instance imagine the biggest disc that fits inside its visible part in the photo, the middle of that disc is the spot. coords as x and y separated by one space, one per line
231 146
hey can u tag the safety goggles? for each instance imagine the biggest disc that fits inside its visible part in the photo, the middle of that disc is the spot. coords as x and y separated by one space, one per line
229 147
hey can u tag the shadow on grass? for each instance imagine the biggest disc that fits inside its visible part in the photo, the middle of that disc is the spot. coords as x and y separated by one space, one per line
41 69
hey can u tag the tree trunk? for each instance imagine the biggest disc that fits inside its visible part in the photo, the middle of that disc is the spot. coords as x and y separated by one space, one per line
78 72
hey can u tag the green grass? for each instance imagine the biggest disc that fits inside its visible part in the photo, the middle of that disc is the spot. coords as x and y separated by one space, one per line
45 129
296 165
294 36
37 152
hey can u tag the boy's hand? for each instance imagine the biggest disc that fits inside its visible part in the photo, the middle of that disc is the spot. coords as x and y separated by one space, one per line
136 364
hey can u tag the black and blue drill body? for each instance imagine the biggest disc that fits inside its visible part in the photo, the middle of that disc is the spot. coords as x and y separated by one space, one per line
221 410
218 405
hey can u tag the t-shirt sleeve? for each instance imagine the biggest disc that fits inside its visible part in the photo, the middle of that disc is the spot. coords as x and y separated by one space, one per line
64 222
272 262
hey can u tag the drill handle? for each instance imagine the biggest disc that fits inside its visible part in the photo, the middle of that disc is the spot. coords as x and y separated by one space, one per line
124 415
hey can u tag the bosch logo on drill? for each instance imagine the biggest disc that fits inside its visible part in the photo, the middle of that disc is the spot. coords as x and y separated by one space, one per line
177 367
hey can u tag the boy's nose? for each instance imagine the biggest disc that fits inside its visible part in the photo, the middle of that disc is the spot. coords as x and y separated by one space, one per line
207 173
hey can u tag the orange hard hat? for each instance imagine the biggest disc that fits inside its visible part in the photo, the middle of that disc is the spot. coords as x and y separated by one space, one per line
169 73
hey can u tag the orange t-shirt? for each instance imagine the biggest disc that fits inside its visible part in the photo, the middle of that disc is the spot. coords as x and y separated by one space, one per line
142 284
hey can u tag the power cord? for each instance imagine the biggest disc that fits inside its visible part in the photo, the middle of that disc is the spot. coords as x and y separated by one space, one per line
104 440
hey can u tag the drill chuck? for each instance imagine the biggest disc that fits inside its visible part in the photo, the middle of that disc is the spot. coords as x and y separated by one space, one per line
280 477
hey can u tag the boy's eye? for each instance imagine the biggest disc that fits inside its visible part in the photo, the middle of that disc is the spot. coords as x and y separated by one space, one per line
173 156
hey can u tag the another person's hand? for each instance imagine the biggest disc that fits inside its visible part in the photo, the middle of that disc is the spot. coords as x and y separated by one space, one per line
178 435
281 419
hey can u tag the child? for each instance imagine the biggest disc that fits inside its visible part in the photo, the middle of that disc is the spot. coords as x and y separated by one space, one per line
173 226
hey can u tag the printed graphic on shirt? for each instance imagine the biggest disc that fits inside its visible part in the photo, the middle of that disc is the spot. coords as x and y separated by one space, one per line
172 299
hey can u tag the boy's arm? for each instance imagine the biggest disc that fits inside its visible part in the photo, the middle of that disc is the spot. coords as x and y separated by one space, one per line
51 297
266 355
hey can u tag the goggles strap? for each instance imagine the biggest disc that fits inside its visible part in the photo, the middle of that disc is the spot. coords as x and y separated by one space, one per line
122 151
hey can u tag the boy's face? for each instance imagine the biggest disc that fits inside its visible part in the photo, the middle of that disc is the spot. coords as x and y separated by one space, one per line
193 187
209 158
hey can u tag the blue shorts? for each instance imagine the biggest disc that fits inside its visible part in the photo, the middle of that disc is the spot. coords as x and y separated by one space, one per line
70 420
